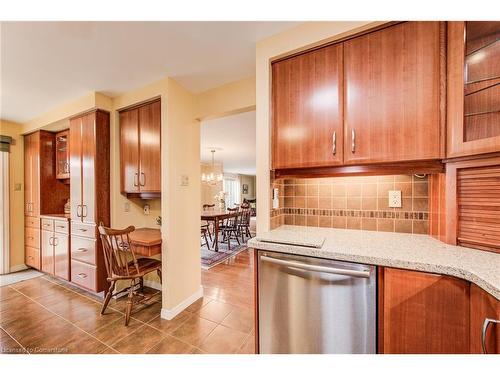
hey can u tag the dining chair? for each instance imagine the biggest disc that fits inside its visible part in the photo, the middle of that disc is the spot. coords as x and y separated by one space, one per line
122 264
244 222
230 228
207 226
204 234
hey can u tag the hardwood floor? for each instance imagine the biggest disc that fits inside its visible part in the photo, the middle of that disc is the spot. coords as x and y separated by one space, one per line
45 315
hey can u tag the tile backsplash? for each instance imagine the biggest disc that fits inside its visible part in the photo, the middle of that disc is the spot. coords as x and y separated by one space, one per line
359 202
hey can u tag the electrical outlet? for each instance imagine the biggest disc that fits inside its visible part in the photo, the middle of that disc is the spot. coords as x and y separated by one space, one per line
17 186
146 209
126 207
394 198
184 180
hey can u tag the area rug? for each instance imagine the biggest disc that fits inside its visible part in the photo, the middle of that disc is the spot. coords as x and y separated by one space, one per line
210 258
16 277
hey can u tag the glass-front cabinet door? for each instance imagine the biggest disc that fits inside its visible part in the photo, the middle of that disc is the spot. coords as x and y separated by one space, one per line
473 88
62 154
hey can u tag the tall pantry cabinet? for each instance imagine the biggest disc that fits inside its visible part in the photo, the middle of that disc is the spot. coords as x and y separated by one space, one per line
90 200
43 194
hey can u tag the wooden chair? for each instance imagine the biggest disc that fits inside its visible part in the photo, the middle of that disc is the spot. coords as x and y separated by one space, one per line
230 228
204 234
122 264
207 207
244 222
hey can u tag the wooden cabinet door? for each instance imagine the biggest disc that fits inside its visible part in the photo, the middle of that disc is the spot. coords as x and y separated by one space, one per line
484 306
473 100
47 251
422 313
307 109
35 174
28 167
392 94
149 147
75 152
61 256
88 168
129 151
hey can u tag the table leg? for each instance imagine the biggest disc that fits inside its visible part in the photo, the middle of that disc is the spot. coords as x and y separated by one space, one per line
216 234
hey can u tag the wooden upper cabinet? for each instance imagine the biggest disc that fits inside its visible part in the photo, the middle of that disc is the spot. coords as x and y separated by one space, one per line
140 142
307 105
422 313
484 306
473 104
89 167
62 155
129 152
392 88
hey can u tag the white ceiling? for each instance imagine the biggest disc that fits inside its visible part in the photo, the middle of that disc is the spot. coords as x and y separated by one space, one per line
235 136
44 64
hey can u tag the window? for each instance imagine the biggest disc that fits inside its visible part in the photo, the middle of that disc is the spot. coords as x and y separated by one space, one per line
232 188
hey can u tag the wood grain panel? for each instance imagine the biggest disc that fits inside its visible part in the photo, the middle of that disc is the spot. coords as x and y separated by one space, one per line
307 109
423 313
61 256
75 146
483 305
478 201
129 151
88 168
32 257
149 147
392 94
47 252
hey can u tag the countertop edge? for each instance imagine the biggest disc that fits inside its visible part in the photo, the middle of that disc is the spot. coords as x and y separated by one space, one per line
461 273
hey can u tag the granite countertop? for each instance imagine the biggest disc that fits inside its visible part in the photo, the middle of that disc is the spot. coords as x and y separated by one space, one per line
409 251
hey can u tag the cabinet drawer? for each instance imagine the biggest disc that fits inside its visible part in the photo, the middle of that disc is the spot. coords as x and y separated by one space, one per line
83 249
31 222
47 224
83 274
32 237
84 230
61 226
32 257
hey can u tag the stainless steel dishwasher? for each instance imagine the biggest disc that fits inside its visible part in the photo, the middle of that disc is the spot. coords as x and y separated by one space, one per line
311 305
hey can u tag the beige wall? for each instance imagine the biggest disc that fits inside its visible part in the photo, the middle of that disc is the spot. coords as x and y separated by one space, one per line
229 99
250 181
16 201
304 36
180 204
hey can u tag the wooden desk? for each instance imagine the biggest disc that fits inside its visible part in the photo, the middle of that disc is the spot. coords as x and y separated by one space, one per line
146 241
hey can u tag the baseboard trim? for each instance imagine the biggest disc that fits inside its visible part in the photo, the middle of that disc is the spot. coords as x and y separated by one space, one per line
172 313
152 284
19 267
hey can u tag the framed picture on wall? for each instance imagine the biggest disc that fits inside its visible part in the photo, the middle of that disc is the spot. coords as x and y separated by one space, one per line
245 188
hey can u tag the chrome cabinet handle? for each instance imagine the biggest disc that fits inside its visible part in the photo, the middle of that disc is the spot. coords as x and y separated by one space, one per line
136 178
353 138
55 241
50 241
78 214
82 229
309 267
82 275
84 209
82 250
486 323
334 143
143 179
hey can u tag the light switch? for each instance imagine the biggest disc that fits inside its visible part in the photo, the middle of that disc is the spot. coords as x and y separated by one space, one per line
146 209
126 207
394 198
17 186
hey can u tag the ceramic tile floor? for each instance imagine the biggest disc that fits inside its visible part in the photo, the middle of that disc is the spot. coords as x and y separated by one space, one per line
45 315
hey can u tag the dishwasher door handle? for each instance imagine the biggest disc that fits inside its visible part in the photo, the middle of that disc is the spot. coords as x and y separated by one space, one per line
312 268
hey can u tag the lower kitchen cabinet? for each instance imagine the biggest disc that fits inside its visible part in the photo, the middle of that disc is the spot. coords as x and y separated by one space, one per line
484 306
48 251
422 313
55 257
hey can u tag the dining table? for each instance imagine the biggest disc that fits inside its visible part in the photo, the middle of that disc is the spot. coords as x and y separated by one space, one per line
217 216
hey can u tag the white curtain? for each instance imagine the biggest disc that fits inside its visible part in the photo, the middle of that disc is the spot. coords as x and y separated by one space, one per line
4 213
232 188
